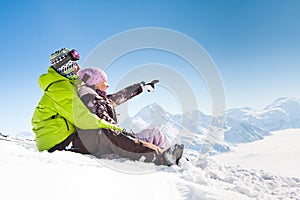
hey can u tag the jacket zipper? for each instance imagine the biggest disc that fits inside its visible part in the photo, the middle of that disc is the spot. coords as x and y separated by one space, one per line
66 124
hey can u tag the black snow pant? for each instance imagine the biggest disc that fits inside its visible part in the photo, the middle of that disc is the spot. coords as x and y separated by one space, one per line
102 141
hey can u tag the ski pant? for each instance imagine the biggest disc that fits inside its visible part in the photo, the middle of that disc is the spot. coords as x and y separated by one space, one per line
102 141
153 136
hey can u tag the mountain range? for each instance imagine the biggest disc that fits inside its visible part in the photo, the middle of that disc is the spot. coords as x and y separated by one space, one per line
241 125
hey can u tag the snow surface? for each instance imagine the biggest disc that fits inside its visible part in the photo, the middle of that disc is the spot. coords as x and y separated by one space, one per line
28 174
278 153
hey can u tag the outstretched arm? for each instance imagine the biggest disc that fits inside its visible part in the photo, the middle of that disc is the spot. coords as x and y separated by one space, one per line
131 91
126 94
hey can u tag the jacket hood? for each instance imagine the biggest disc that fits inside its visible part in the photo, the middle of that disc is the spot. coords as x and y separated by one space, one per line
52 76
84 90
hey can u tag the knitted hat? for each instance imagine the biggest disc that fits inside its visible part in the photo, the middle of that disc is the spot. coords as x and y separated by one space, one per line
92 76
64 61
68 69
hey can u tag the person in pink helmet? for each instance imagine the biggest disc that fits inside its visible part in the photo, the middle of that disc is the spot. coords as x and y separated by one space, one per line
93 94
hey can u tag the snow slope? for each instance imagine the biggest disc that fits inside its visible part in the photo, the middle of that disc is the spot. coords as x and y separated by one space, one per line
278 153
28 174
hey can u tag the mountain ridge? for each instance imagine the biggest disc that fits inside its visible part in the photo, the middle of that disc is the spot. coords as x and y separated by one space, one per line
241 125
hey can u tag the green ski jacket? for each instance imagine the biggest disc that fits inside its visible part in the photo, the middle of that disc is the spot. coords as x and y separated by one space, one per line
60 111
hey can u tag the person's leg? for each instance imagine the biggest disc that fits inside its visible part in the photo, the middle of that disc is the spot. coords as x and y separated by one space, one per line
154 136
64 144
100 142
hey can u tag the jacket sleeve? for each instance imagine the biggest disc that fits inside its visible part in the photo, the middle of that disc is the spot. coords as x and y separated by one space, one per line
69 105
126 94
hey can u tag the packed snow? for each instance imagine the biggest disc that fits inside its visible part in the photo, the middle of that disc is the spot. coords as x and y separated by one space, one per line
278 153
29 174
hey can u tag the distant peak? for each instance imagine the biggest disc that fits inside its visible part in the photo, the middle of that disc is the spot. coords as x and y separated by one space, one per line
154 106
284 102
284 99
152 109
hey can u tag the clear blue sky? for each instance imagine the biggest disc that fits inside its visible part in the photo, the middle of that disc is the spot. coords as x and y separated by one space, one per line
255 44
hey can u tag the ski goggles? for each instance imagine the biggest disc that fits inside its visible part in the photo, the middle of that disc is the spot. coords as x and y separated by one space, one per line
74 55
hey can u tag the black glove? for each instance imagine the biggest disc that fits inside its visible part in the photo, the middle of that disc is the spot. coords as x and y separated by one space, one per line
128 133
149 86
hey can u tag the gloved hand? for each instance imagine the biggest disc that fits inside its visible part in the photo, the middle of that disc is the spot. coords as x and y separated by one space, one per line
149 86
128 133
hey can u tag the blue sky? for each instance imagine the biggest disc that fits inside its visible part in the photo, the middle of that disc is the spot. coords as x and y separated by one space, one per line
254 44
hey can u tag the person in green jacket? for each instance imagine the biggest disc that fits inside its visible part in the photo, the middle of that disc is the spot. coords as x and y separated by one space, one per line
62 122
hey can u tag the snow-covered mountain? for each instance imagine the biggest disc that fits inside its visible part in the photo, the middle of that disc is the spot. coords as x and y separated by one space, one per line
242 132
241 125
247 125
283 113
25 135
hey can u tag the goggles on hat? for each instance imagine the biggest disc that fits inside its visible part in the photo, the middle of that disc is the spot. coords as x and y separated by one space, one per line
74 55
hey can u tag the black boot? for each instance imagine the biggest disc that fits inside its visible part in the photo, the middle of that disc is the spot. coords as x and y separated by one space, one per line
171 156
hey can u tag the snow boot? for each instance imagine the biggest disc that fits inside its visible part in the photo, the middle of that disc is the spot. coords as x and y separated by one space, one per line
172 155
